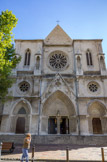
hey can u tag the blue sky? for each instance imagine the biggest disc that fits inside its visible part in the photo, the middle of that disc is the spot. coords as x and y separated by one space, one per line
80 19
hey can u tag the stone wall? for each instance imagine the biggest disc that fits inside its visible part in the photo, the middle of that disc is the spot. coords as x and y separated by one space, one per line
58 139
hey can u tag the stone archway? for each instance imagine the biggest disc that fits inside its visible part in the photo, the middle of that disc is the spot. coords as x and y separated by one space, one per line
59 110
97 119
20 118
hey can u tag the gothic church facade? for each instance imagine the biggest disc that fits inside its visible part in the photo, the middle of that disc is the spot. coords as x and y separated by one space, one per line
60 88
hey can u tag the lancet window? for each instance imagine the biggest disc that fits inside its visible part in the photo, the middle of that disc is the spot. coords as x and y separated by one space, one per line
37 62
89 58
27 57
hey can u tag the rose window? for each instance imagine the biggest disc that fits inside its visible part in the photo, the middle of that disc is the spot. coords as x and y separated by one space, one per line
58 61
24 86
93 87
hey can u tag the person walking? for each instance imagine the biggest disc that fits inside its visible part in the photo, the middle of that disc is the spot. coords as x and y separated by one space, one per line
26 146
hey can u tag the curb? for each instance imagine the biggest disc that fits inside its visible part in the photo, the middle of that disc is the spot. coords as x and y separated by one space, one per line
50 160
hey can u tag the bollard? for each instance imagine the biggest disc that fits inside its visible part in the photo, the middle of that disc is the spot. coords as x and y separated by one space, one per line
67 154
0 149
102 152
33 151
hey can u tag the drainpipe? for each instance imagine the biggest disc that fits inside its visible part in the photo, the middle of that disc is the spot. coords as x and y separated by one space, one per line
76 91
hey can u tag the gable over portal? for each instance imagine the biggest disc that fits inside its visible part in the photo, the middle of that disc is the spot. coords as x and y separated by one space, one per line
58 37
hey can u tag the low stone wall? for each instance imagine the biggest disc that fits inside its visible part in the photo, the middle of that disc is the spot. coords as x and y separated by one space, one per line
57 139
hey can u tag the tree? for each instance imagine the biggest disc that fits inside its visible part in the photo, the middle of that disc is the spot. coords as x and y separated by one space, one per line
8 57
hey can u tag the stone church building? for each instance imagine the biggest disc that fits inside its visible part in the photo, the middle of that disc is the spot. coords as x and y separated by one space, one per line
60 88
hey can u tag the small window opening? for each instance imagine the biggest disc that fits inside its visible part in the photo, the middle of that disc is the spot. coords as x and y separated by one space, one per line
89 58
37 62
78 63
27 57
22 111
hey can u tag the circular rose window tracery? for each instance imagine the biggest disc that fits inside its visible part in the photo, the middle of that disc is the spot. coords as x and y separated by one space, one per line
24 86
93 87
58 60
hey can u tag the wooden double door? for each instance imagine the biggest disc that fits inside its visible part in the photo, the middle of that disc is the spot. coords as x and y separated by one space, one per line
97 127
20 125
56 125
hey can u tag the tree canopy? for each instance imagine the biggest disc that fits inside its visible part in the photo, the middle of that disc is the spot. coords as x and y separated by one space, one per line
8 57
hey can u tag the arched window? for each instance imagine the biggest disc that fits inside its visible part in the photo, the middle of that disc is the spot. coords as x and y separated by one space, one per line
22 111
27 57
89 58
78 63
37 62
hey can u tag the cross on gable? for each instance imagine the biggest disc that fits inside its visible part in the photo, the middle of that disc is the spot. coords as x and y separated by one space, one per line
57 21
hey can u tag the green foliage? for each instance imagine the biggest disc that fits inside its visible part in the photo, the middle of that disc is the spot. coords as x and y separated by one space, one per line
8 57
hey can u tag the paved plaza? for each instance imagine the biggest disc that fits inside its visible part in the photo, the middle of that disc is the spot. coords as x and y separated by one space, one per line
58 152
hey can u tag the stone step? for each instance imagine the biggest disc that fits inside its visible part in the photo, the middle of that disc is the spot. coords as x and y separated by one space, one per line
57 139
46 160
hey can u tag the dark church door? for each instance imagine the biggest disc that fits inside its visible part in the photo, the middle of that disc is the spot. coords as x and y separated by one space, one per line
20 125
64 125
52 125
97 128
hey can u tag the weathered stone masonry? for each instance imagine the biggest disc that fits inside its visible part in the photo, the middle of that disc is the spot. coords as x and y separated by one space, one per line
60 88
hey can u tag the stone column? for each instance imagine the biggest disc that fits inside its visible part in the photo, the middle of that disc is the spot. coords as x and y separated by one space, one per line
90 126
28 123
104 125
67 126
44 125
58 124
13 123
4 123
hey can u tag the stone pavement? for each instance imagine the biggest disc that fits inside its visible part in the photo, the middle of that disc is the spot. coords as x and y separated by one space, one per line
58 152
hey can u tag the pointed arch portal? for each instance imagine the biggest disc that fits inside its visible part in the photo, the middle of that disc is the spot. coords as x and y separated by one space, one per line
20 117
58 109
96 111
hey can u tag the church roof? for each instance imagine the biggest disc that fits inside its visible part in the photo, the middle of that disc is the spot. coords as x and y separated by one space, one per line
58 37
